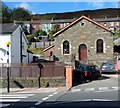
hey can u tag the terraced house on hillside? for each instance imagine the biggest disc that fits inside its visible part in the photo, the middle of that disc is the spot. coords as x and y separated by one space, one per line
84 40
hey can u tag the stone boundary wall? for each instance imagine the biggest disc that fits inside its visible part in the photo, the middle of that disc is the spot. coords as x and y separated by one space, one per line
33 82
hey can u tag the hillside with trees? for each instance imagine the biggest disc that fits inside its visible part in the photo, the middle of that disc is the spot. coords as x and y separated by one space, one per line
99 13
21 14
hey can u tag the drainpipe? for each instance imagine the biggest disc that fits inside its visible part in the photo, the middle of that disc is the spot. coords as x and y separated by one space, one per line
21 46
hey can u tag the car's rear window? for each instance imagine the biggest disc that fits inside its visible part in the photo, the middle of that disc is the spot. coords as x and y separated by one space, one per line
91 68
88 68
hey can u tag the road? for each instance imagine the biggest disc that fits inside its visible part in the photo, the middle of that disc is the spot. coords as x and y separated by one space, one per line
98 93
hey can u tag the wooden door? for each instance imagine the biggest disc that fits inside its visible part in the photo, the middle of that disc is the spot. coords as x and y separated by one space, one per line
82 52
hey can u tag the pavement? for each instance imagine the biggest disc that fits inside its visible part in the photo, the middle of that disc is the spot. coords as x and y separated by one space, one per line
45 90
35 90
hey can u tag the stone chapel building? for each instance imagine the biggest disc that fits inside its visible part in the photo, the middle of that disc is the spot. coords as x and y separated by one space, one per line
85 41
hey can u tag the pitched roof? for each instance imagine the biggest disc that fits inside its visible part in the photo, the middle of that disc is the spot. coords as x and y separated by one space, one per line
74 22
40 22
62 21
52 21
107 19
8 28
29 51
48 48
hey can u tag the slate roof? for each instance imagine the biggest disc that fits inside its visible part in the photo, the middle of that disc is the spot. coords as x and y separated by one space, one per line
63 21
52 21
8 28
108 19
40 22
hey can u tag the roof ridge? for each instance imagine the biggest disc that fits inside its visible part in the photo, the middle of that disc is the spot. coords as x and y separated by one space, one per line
79 20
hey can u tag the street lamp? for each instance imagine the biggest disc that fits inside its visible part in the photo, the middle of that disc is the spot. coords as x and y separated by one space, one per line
8 78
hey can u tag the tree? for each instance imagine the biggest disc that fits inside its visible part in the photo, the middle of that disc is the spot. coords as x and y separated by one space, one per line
6 13
55 29
117 33
38 34
21 14
50 35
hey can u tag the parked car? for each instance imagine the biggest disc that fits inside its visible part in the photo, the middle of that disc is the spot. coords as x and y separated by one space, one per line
107 67
87 72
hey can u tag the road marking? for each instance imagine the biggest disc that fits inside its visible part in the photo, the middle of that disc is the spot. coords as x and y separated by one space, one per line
45 98
12 97
38 103
104 91
103 88
55 93
89 89
51 95
115 88
76 90
101 100
9 100
1 95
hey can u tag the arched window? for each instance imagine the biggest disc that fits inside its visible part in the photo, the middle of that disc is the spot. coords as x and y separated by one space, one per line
65 47
51 53
99 46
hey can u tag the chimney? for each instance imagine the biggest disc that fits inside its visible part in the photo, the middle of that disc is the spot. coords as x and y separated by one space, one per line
52 19
117 16
14 21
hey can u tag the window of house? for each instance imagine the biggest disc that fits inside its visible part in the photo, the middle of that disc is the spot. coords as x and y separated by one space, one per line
65 47
99 46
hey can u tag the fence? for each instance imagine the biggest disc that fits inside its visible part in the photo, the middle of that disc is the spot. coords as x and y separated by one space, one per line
50 69
41 44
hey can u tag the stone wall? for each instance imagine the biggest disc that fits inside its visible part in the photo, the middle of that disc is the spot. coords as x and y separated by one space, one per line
33 82
87 34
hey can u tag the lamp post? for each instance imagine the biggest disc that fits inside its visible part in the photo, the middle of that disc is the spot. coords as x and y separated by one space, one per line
8 77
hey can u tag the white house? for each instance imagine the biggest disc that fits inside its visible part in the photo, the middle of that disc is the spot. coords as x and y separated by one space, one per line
18 50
